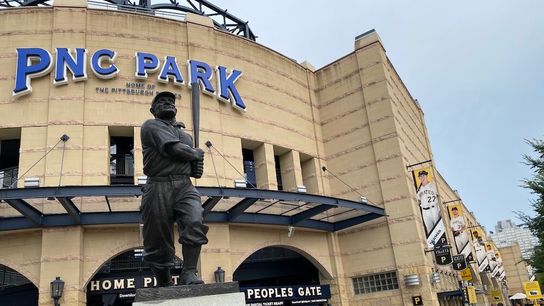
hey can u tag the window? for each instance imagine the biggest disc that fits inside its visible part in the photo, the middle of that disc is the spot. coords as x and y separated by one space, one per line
278 171
9 162
122 160
375 283
249 168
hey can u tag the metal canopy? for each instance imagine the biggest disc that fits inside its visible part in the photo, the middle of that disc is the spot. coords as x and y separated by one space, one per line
118 204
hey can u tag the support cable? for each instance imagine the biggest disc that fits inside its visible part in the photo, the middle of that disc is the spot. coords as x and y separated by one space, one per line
22 175
334 175
210 145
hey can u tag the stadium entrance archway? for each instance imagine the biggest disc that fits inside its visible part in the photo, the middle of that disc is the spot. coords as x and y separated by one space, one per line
279 276
116 281
15 289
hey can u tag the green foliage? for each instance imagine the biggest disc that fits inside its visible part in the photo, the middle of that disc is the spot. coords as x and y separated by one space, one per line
536 223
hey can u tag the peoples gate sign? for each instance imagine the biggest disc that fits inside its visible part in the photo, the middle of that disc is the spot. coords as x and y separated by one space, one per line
286 295
37 62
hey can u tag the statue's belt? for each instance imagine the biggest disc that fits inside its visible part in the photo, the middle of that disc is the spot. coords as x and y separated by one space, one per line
169 178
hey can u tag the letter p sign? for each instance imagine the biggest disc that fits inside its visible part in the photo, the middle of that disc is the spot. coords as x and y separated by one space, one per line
417 300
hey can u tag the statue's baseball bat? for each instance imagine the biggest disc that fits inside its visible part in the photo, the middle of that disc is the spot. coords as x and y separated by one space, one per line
195 98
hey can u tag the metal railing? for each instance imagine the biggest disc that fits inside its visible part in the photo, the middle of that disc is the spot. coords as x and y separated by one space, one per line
8 177
122 166
135 9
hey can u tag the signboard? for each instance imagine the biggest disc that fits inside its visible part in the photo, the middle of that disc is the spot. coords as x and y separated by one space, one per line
37 62
442 255
478 244
429 206
466 274
126 284
495 296
417 300
286 295
532 290
471 294
460 231
459 262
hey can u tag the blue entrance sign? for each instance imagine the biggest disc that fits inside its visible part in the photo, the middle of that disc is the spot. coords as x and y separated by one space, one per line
278 295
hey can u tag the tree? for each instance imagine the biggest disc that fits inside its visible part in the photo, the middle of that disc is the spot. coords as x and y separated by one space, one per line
536 223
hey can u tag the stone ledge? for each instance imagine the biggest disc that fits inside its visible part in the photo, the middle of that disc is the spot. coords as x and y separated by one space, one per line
177 292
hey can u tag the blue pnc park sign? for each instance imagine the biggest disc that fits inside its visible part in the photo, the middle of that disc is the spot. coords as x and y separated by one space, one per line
37 62
286 295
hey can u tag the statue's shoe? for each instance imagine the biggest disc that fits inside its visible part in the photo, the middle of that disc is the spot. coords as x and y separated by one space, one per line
190 278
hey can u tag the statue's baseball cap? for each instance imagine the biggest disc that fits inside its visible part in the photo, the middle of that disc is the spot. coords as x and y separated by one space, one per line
422 173
163 94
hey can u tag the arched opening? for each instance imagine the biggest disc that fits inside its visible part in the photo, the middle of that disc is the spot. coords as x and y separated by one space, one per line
116 281
15 289
282 276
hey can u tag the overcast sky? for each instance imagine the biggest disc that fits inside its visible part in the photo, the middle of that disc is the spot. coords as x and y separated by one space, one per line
476 67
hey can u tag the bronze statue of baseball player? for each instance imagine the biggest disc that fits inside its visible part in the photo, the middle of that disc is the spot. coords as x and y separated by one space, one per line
169 195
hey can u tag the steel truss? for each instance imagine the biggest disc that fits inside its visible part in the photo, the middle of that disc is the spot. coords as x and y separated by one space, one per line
309 208
222 19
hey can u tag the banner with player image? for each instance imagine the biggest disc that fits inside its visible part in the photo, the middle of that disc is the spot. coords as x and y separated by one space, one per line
494 258
478 243
427 197
458 226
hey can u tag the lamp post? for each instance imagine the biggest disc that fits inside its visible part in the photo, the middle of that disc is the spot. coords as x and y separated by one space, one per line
57 287
219 275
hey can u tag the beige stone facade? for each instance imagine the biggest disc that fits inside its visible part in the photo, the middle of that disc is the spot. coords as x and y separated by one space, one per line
515 267
354 116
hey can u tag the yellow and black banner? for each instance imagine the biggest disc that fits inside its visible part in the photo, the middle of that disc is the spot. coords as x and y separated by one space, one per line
478 243
427 196
532 290
494 258
495 296
460 231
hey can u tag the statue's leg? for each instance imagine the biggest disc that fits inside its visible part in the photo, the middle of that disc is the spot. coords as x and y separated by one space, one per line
192 232
157 215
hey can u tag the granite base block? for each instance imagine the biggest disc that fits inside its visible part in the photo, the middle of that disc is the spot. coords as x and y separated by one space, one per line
227 294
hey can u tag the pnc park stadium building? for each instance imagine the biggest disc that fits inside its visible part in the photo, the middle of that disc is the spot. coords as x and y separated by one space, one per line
308 187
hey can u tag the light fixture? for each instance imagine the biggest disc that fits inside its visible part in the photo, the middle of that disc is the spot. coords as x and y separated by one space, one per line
57 287
219 275
142 180
32 182
412 280
364 200
301 188
435 278
290 231
240 184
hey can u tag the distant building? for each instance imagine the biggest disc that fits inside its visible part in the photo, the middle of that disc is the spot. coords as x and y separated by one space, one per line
507 233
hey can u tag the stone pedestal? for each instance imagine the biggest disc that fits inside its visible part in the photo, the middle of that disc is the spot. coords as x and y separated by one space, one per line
221 294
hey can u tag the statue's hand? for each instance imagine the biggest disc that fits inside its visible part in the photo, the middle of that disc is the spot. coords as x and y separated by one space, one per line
199 153
197 168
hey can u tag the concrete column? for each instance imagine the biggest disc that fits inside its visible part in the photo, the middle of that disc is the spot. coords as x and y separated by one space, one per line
339 288
33 147
96 155
216 253
264 167
405 234
66 104
311 176
62 255
291 171
138 154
